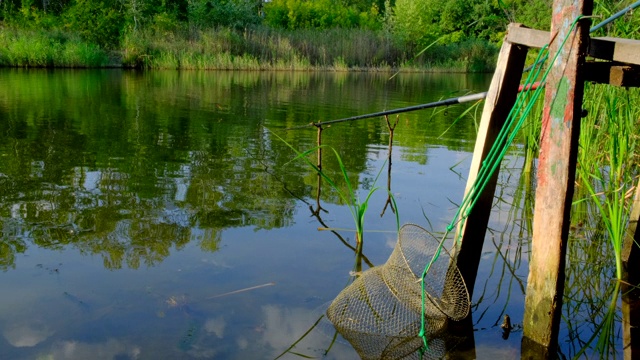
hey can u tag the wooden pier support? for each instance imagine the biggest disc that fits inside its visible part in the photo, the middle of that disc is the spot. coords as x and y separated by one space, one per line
499 101
630 321
631 245
629 289
556 167
556 174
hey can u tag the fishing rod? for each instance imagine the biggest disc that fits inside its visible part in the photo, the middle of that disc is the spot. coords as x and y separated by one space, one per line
461 99
446 102
615 16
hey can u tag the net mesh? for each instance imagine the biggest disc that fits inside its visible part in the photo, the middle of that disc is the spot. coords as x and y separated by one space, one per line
380 312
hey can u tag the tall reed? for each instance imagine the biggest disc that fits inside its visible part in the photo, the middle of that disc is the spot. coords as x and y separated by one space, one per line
262 48
607 161
607 173
31 48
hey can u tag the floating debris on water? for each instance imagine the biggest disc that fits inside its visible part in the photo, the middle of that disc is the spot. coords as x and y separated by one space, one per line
189 338
242 290
77 301
176 301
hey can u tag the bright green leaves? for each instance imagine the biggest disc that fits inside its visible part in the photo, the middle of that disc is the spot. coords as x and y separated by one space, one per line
235 14
423 21
99 22
320 14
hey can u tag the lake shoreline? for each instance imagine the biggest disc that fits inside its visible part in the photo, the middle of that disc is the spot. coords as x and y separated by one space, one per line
338 50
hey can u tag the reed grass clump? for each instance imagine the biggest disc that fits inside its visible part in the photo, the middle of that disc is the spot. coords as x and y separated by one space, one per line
169 46
606 175
32 48
607 163
262 48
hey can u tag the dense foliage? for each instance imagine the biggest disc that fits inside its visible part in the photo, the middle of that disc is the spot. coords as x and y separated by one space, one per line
134 31
321 14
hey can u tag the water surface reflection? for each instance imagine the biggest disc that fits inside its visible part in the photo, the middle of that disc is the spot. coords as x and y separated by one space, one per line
128 201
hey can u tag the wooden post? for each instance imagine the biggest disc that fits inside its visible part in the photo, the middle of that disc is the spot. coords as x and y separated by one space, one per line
631 294
499 101
556 173
631 247
630 321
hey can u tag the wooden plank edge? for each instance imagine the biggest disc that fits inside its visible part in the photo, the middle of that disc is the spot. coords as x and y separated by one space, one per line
518 34
612 73
604 48
615 49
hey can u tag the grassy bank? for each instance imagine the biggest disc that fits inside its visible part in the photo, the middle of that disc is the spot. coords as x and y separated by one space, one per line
31 48
259 48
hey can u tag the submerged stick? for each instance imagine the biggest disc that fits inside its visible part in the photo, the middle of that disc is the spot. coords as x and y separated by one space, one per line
242 290
301 337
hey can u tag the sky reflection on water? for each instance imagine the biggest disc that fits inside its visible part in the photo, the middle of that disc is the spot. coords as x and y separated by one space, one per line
130 200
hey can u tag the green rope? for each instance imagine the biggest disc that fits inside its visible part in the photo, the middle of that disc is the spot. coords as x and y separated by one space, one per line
523 106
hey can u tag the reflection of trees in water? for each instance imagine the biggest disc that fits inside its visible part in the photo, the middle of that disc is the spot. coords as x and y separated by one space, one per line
130 191
131 221
10 244
124 229
131 165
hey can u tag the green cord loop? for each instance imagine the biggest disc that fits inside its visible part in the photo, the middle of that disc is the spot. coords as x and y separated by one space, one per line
515 119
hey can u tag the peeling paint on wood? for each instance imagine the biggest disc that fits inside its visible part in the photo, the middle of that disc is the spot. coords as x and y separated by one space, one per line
556 175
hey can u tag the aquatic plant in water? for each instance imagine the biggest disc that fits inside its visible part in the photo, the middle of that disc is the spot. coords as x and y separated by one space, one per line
607 171
357 207
606 165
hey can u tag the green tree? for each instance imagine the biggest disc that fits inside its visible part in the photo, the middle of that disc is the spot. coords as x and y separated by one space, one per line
320 14
534 14
423 21
417 21
236 14
98 21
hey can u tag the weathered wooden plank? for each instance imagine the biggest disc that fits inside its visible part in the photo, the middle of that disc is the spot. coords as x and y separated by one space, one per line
631 247
604 48
615 49
613 74
556 173
528 37
630 293
500 98
630 322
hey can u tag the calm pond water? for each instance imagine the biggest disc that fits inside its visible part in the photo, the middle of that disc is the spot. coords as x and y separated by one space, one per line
149 215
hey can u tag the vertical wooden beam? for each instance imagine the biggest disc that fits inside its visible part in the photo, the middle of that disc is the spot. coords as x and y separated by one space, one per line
556 173
463 345
499 101
630 321
631 247
630 293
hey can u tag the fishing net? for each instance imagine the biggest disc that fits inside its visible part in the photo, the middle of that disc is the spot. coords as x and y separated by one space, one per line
389 309
380 313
